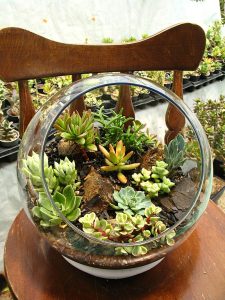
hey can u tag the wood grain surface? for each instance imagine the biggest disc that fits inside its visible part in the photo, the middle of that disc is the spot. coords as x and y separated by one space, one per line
25 55
195 270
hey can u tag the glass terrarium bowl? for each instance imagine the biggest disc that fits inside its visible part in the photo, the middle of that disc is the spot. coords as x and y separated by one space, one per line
131 251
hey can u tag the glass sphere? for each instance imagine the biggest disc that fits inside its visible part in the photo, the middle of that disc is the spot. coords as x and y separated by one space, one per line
180 206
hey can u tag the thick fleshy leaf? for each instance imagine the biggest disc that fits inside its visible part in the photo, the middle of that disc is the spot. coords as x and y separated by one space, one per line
74 215
44 201
60 198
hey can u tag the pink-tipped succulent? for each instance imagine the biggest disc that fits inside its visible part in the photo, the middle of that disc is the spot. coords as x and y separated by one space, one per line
116 160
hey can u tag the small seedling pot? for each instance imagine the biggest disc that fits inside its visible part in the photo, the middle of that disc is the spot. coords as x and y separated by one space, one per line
11 118
9 144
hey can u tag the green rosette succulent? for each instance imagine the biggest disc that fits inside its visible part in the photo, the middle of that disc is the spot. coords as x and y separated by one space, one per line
32 170
131 201
79 129
174 153
67 202
100 229
66 172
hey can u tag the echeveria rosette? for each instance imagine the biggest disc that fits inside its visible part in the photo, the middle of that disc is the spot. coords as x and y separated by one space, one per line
66 172
67 202
130 201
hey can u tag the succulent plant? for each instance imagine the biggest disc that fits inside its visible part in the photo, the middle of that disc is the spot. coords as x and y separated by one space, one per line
128 228
151 188
7 132
78 129
160 184
159 171
175 153
67 202
66 172
114 129
165 185
133 250
116 160
131 201
135 139
168 238
98 228
32 169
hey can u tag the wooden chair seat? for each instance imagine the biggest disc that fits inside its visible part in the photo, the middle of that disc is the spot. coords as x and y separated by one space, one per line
195 270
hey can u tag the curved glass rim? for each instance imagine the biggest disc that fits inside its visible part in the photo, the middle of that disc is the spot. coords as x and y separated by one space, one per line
130 80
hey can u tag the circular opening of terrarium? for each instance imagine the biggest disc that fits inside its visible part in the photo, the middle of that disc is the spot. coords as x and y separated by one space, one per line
110 178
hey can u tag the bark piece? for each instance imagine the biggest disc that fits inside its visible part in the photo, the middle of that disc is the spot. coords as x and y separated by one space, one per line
68 148
150 157
97 192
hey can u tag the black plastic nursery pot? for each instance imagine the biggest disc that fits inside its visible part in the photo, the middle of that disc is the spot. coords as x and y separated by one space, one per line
219 168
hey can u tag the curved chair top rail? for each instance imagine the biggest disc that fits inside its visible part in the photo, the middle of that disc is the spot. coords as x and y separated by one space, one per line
25 55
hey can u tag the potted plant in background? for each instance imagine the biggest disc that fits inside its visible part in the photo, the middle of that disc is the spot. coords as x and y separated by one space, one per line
194 75
205 68
12 96
211 114
9 136
186 77
107 40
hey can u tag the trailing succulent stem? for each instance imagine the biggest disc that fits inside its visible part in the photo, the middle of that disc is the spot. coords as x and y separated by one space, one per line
116 160
155 181
79 129
67 202
128 228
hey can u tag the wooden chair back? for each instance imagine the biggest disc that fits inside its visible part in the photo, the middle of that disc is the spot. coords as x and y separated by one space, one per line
25 55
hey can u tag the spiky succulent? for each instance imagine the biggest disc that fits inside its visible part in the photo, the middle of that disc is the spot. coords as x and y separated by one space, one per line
79 129
66 172
131 201
175 153
67 202
116 160
32 169
114 129
7 132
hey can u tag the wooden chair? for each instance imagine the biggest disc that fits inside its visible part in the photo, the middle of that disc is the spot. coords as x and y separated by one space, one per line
35 270
25 55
